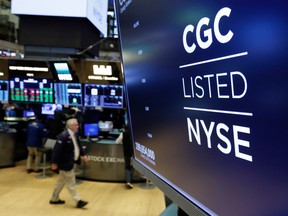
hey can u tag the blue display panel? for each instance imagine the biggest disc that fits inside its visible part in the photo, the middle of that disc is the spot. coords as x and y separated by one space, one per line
28 114
31 90
4 86
68 94
91 130
207 95
49 109
106 96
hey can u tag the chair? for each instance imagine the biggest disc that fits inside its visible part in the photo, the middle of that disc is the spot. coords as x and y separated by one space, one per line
47 148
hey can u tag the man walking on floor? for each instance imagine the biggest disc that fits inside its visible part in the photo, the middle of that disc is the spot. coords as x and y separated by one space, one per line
67 151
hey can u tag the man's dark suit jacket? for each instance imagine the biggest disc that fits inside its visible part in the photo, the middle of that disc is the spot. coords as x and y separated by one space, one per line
63 152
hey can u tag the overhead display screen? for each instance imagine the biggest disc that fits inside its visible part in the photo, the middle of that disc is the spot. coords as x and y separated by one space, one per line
62 71
207 94
106 96
31 90
68 94
72 8
94 10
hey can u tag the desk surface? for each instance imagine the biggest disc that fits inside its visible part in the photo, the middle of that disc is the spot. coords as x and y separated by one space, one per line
100 141
106 141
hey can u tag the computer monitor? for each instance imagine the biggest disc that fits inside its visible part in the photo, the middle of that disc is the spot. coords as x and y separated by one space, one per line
28 114
49 109
105 126
91 130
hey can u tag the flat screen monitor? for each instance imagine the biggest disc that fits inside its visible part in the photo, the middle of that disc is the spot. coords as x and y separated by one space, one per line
31 90
4 91
49 109
105 126
68 94
206 85
91 130
106 96
28 114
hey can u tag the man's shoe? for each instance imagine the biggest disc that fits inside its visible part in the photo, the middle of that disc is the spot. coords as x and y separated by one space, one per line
81 204
57 202
30 170
129 185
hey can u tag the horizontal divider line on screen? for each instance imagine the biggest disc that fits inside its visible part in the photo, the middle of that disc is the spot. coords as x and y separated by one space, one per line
215 59
219 111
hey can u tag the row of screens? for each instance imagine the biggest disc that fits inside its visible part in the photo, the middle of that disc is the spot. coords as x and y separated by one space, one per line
71 94
89 129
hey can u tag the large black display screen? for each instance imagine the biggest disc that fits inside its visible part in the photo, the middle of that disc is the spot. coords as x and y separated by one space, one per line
207 87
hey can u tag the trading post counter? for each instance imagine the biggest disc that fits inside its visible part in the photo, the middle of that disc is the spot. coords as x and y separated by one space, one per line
106 161
7 147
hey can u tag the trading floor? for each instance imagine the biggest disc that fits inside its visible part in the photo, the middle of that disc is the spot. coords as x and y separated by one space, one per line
23 194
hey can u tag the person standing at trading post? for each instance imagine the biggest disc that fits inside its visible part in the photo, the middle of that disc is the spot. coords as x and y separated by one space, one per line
125 139
36 132
67 151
